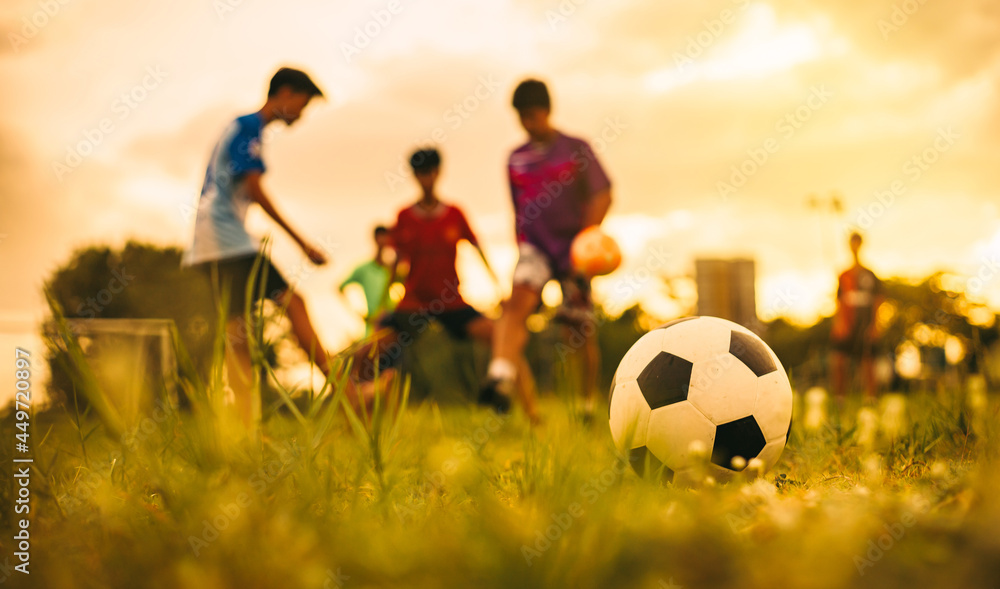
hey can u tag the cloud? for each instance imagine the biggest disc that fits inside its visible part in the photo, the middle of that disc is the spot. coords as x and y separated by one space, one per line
183 152
44 220
891 96
959 38
28 237
341 169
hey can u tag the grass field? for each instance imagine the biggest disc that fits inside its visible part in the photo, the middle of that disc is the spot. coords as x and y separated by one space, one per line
905 496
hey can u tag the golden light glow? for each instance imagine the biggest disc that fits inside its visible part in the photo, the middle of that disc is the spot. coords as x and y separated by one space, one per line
449 72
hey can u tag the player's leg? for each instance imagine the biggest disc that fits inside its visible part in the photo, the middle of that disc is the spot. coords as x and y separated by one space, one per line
239 370
591 372
375 367
868 375
509 341
868 370
375 361
483 329
229 279
527 390
510 334
838 374
374 350
525 386
480 328
462 324
577 312
302 327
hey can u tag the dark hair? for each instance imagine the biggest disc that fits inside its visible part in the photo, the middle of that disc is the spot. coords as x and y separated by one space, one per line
425 160
531 93
295 79
381 230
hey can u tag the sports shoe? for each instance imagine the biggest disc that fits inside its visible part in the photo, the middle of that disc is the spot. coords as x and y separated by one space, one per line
491 394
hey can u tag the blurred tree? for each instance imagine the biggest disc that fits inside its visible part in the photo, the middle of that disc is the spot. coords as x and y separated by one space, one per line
140 281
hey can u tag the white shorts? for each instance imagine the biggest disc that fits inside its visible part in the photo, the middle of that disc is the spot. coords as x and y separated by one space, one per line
533 269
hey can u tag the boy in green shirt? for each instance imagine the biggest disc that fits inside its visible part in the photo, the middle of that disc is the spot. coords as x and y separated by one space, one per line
373 278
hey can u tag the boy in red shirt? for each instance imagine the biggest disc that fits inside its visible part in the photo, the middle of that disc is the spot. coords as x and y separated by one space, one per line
426 238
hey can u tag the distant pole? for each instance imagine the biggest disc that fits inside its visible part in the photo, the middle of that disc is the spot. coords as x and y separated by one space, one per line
834 205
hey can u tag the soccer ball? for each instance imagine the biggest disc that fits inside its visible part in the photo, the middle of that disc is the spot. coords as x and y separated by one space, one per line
700 384
594 253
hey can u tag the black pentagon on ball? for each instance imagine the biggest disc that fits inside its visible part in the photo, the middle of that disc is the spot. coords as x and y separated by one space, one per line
751 352
640 457
737 438
665 380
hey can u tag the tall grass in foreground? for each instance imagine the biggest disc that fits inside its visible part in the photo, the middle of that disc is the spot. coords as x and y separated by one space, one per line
902 495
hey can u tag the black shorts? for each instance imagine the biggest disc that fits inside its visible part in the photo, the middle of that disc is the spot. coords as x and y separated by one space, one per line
454 321
234 274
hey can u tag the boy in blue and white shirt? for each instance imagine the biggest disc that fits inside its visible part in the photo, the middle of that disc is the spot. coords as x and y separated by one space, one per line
226 252
219 226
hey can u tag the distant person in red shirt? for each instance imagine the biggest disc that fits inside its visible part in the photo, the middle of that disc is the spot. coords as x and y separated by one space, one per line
854 334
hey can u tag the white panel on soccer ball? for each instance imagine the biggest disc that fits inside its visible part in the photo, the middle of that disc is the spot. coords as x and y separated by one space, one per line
698 339
629 416
772 452
723 388
721 475
671 431
773 409
639 356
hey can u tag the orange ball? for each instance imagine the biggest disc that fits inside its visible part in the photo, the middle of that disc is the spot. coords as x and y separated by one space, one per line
594 253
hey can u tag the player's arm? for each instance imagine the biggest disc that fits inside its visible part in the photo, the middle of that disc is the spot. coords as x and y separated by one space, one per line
257 195
489 269
402 251
599 185
383 301
353 278
878 297
470 236
482 256
840 327
597 208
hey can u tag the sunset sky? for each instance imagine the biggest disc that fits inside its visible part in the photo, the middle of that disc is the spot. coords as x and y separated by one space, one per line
110 110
